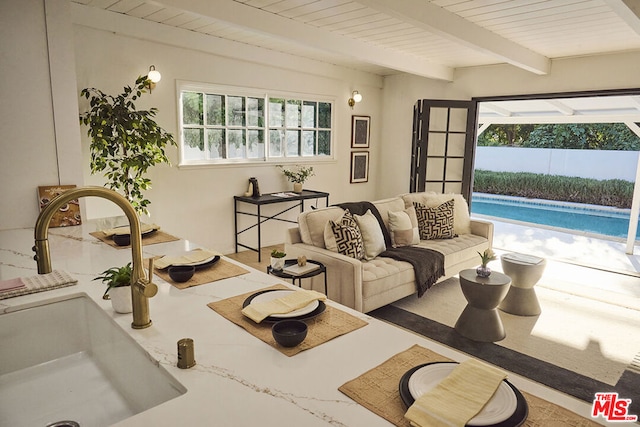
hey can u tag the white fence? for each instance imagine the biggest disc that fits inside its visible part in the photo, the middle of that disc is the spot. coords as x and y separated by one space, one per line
596 164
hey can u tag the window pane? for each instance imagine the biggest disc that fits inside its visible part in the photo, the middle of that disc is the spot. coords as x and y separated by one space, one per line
192 108
309 114
324 115
192 149
293 143
217 147
255 144
236 111
276 112
308 142
276 141
255 112
236 144
324 143
194 138
293 114
215 110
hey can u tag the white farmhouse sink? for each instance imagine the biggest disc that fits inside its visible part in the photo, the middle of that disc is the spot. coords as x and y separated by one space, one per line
66 359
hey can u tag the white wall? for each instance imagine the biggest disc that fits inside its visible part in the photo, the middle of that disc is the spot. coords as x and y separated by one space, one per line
27 135
596 164
197 202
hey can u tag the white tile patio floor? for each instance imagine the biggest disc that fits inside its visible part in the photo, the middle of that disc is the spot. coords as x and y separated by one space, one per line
567 256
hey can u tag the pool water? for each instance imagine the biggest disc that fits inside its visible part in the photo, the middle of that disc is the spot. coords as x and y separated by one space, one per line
573 216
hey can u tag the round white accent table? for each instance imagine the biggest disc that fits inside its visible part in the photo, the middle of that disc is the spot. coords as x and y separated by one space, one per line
480 320
525 271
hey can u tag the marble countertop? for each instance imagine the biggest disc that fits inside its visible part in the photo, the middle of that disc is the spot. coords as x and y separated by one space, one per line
238 380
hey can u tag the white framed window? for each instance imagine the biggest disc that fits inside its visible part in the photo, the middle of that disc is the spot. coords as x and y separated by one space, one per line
227 125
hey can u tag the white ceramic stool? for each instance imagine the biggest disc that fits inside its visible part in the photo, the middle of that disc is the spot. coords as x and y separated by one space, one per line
525 271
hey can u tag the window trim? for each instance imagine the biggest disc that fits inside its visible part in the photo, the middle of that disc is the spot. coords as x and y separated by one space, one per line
228 90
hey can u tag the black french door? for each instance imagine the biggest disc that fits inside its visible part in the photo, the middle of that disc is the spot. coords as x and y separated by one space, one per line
443 148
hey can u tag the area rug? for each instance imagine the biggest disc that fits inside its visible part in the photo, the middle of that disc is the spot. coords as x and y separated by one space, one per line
570 347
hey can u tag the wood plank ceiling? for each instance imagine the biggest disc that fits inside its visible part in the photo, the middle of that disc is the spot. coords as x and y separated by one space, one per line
429 38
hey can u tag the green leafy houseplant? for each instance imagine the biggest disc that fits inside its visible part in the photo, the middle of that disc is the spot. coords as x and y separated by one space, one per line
277 254
115 277
125 142
298 175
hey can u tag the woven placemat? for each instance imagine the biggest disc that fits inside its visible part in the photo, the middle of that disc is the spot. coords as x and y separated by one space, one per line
330 324
151 239
222 269
378 391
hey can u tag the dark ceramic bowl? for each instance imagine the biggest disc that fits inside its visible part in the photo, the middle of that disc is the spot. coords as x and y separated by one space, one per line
122 239
289 333
181 273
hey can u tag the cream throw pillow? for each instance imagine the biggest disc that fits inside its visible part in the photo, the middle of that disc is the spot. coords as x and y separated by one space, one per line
403 227
372 236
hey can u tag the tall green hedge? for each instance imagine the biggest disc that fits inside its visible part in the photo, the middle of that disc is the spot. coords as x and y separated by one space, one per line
612 192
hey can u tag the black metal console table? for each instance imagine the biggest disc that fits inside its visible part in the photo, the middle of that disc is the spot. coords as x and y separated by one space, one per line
269 199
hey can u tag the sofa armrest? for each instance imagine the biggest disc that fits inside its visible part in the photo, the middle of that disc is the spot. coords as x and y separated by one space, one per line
483 228
344 274
292 236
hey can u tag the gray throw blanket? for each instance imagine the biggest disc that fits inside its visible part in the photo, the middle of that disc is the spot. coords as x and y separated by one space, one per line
428 264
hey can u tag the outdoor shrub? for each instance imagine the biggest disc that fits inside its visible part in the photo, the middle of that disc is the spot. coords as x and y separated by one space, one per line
613 192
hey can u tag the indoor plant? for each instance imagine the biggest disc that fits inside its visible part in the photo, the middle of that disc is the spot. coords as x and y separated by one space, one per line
298 175
118 281
277 259
486 257
125 142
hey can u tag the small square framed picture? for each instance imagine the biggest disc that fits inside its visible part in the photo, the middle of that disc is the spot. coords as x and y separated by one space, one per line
359 166
360 131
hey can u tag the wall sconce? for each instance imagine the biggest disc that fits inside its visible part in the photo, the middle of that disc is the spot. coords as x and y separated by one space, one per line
355 97
153 77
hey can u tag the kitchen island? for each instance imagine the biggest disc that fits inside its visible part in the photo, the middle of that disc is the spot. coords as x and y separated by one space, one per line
238 380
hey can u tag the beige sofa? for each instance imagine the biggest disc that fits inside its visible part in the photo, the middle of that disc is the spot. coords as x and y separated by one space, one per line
365 285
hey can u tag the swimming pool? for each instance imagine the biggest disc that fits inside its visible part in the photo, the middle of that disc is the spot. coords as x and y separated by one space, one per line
573 216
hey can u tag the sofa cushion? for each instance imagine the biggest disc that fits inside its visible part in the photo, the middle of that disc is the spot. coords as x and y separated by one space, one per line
372 236
394 204
344 237
461 218
313 222
436 222
403 227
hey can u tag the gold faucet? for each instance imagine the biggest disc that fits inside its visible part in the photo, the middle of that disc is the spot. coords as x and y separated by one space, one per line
141 287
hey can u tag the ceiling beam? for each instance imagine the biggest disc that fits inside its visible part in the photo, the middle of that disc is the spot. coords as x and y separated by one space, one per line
499 110
561 107
628 11
437 20
293 31
142 29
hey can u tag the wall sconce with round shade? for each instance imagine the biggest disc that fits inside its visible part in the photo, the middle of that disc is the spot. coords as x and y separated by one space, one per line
355 97
154 77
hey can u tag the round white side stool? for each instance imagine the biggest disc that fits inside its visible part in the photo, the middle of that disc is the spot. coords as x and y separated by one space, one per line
525 271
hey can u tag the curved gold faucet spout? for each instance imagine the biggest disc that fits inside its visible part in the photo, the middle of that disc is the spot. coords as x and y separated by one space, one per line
141 287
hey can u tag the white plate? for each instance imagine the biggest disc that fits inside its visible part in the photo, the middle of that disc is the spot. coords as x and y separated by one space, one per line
197 263
269 296
499 408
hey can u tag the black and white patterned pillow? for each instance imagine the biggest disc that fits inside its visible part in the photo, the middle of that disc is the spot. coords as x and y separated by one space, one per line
344 236
436 222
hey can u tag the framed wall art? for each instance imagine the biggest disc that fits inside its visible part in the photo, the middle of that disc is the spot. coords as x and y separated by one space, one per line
359 166
360 131
68 214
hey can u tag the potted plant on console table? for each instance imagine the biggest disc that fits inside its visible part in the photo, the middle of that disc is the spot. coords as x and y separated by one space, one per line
298 176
